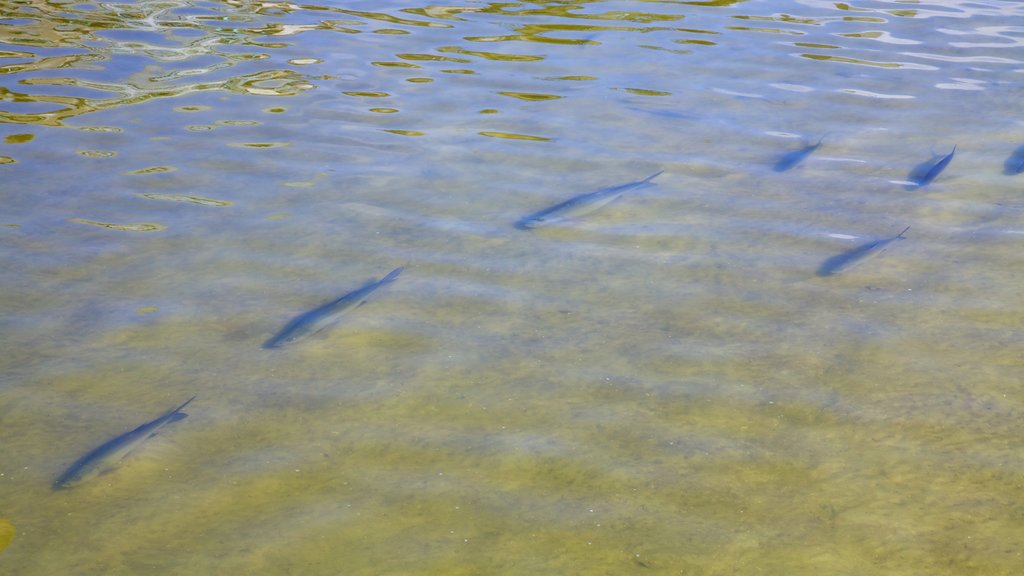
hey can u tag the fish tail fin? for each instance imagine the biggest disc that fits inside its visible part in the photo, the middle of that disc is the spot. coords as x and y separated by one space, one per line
179 408
653 176
392 275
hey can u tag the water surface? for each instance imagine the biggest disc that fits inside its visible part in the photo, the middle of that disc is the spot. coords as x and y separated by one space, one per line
662 385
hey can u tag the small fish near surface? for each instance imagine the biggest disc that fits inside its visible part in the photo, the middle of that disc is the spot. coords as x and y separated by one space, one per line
110 453
580 205
789 160
1015 163
843 262
309 323
923 174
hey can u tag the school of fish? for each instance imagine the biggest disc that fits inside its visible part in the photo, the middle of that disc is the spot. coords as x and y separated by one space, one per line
106 456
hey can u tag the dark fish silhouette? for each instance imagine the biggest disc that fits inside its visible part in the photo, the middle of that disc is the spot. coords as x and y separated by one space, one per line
1015 163
923 174
843 262
315 320
580 205
789 160
106 456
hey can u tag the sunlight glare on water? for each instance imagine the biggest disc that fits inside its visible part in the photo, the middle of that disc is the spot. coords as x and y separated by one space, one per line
662 384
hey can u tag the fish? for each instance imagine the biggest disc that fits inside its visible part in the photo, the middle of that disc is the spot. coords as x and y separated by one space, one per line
309 323
1015 163
789 160
843 262
104 457
923 174
580 205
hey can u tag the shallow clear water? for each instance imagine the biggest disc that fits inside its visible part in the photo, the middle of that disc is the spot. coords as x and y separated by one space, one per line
663 384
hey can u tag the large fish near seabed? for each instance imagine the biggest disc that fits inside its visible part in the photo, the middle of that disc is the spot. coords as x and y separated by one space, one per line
315 320
580 205
843 262
110 453
1014 164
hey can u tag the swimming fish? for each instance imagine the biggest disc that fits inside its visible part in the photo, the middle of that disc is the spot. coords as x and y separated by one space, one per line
789 160
106 456
923 174
850 258
580 205
1015 163
315 320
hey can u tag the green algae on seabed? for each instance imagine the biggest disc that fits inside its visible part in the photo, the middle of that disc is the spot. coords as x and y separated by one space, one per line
130 227
6 533
186 198
151 170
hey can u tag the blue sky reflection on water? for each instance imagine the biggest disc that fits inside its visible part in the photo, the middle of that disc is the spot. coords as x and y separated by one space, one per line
663 384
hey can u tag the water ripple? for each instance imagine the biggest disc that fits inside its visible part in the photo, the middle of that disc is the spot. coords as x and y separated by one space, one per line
196 47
